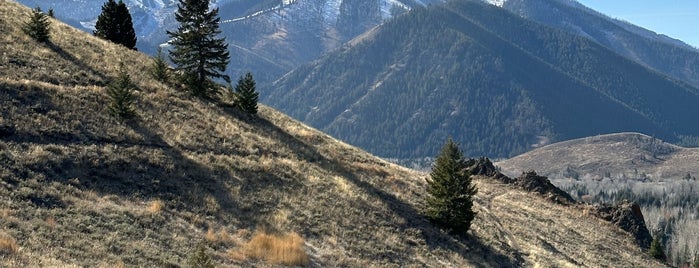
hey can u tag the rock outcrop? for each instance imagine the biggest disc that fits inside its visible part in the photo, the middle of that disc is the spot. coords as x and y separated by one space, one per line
627 215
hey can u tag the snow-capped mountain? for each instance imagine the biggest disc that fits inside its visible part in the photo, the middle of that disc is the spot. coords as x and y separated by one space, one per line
267 37
271 37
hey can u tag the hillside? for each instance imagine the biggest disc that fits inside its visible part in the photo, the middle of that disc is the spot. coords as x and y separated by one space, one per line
80 188
629 154
495 82
659 176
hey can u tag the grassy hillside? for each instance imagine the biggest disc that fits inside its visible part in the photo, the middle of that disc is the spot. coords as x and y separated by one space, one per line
661 177
80 188
495 82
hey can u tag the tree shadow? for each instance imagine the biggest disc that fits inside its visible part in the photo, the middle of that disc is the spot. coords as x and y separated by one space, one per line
75 61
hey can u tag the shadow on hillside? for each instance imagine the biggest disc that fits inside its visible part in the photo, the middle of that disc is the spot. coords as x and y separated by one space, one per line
80 64
146 168
469 247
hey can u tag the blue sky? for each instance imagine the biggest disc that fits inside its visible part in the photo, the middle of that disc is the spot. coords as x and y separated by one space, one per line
678 19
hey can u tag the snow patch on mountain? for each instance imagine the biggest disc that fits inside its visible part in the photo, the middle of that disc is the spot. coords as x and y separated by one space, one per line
499 3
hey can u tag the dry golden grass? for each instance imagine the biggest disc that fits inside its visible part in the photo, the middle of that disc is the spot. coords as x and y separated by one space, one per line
51 222
156 206
286 249
222 237
8 245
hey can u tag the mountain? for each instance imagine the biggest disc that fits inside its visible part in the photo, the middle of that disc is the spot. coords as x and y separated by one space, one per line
495 82
656 51
267 37
82 189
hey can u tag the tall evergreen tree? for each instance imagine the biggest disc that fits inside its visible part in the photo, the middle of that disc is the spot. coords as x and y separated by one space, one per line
120 91
247 94
449 203
115 24
199 55
38 26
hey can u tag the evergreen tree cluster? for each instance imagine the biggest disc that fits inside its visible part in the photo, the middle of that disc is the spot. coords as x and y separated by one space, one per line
114 24
198 54
38 26
450 199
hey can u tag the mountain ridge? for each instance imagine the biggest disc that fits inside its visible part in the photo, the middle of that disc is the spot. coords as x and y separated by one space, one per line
515 81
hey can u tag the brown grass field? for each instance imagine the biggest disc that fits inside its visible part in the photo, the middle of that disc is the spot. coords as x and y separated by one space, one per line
79 188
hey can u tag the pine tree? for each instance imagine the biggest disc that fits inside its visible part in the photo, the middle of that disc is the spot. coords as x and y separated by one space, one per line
656 249
159 68
449 203
115 24
38 26
246 94
120 91
50 13
198 54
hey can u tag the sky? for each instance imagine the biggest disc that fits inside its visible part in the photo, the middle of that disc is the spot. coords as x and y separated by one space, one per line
678 19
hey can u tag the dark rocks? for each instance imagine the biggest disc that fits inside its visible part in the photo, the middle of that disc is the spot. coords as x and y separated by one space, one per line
531 182
627 215
483 167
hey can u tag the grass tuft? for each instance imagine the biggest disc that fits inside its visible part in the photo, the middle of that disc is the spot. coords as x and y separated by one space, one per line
286 249
156 207
8 245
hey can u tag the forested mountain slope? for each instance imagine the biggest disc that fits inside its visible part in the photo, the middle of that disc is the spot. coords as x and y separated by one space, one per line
495 82
658 52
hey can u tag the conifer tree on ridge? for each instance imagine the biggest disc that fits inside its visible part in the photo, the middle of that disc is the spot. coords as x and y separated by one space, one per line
450 191
247 94
38 26
115 24
198 54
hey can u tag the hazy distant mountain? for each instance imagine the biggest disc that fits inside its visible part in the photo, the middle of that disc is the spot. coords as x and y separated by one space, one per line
267 37
497 83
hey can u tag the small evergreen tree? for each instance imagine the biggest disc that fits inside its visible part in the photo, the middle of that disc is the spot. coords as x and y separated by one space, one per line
656 249
160 68
38 26
198 54
115 24
696 261
199 259
120 91
246 94
450 191
50 13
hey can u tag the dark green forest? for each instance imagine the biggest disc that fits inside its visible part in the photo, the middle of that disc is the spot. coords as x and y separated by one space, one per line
494 82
